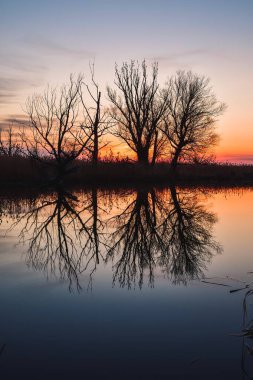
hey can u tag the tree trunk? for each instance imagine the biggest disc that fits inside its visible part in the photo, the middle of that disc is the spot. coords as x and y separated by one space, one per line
180 225
95 222
95 133
174 161
155 149
142 155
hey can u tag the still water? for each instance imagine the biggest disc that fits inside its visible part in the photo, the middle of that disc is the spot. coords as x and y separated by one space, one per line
127 284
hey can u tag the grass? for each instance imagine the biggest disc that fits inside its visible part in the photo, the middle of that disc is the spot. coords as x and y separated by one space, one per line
24 171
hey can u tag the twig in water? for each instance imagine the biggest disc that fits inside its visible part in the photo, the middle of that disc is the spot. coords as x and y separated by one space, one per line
194 361
215 283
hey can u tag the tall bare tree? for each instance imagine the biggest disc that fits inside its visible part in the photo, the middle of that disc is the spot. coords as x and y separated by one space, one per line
192 110
57 131
96 120
138 107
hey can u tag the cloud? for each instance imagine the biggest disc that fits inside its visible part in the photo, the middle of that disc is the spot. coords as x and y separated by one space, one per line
182 54
6 98
20 62
10 87
31 61
16 120
13 84
183 58
51 47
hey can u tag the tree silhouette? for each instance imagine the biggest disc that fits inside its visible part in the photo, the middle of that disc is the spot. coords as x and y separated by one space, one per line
192 110
10 144
97 120
55 126
138 109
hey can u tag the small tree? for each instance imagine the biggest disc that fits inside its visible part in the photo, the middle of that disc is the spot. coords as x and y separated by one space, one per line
138 109
10 144
56 130
191 113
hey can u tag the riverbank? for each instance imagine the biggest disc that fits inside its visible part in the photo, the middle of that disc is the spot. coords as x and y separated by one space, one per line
23 171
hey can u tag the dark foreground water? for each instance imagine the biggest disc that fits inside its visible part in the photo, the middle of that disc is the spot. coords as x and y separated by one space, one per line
127 284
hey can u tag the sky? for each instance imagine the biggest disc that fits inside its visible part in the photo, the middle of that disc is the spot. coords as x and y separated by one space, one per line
42 42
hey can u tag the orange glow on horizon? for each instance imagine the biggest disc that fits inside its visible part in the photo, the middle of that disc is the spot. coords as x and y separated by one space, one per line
235 146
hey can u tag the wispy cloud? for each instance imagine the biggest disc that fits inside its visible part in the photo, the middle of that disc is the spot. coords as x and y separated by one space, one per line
22 70
49 46
182 54
183 58
16 120
10 87
21 63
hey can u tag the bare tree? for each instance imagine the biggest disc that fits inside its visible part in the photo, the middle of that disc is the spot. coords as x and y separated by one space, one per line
160 147
56 128
191 115
96 120
138 108
10 144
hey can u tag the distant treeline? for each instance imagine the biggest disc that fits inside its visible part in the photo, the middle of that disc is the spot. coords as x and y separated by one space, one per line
174 122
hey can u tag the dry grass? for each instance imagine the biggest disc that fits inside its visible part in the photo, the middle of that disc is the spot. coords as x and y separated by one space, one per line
20 170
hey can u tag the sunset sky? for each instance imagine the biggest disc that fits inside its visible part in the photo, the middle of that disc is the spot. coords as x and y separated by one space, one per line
44 41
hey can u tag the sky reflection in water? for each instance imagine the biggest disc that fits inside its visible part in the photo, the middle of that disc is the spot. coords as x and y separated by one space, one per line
93 284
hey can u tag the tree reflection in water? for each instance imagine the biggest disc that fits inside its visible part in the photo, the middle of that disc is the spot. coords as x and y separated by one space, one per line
187 227
63 235
135 239
168 231
171 231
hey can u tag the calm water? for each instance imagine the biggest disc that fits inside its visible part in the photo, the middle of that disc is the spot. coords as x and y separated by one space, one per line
127 284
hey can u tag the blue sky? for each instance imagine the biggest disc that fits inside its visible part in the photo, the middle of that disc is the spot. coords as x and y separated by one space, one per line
44 41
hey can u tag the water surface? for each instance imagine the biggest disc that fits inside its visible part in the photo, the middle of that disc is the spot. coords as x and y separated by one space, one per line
126 284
